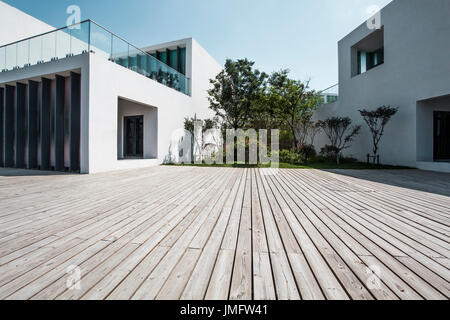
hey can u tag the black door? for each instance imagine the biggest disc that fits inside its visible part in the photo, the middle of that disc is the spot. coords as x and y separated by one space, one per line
441 136
134 137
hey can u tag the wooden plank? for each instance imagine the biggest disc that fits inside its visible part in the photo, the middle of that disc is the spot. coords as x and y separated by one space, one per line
224 233
197 284
242 280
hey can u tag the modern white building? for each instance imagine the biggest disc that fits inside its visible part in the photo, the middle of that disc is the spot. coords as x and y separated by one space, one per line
83 99
405 64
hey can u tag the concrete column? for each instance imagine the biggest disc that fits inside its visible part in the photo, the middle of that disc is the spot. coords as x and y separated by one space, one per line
20 129
46 93
9 126
32 124
75 121
60 88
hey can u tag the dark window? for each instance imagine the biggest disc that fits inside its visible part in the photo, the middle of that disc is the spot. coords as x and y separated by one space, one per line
368 53
369 60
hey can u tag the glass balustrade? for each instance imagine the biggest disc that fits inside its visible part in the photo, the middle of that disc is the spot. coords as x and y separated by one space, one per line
84 37
330 94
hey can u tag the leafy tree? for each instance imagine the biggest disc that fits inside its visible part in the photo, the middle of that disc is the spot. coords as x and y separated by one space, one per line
377 120
340 133
291 102
236 92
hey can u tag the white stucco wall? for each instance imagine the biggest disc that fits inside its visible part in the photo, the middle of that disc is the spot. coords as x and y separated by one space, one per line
16 25
416 67
108 82
204 68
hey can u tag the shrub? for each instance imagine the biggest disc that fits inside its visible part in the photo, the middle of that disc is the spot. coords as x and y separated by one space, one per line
307 151
285 156
329 152
288 156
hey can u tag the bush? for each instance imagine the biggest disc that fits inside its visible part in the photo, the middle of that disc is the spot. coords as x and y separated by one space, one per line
307 151
286 156
330 153
293 157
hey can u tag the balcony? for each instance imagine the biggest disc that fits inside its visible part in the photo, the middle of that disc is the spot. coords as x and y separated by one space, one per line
84 37
330 94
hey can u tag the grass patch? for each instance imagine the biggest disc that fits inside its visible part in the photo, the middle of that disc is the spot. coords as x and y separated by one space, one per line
317 165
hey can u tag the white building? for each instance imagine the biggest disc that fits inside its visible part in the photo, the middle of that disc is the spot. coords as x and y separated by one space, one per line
403 64
83 99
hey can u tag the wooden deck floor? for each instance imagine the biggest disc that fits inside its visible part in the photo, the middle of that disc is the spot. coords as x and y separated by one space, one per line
222 233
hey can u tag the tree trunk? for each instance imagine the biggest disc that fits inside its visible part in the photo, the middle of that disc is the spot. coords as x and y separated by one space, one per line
338 160
294 139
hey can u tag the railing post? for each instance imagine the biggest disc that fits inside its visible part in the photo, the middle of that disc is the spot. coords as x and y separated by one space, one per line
112 46
28 60
89 36
56 45
42 49
70 42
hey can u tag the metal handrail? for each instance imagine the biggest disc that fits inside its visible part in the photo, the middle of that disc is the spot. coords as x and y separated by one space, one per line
138 50
45 33
336 85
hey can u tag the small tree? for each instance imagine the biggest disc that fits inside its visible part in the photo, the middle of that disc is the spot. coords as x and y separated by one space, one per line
377 120
340 133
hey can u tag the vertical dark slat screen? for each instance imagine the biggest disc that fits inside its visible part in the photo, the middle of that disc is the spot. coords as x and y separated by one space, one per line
75 121
46 92
2 125
20 129
60 88
32 123
179 68
9 125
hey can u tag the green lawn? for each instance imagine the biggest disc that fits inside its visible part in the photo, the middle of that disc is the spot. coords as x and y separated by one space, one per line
317 165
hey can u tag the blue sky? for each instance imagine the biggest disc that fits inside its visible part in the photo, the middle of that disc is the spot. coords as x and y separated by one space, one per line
300 35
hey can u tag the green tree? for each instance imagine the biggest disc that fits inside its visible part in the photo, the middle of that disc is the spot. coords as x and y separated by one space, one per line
291 102
236 93
376 121
340 133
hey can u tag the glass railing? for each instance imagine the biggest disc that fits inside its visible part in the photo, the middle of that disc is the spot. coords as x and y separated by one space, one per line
88 36
330 94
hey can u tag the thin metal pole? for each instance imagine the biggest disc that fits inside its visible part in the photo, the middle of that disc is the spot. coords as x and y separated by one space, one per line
89 37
